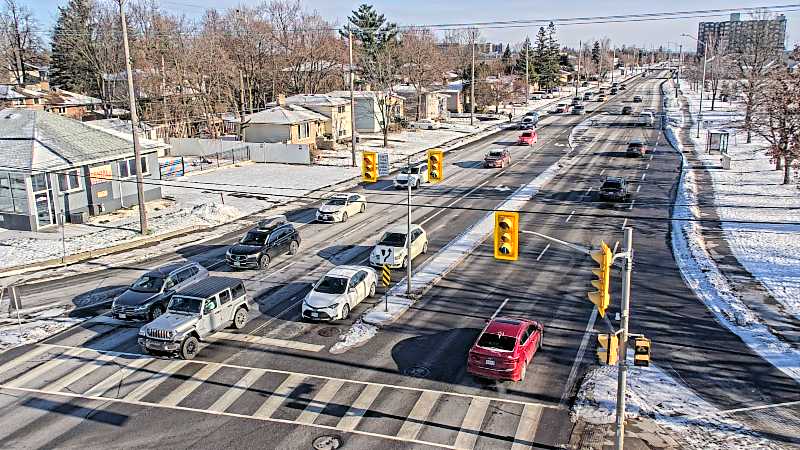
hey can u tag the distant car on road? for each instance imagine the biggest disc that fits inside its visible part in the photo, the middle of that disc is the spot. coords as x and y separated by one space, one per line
416 175
576 100
338 292
426 124
614 189
341 206
578 110
533 115
148 296
622 87
528 138
637 99
601 98
504 349
497 158
636 147
391 249
647 119
627 110
271 238
562 108
613 91
587 96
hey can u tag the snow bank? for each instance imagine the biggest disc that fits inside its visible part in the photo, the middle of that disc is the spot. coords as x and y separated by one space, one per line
356 336
652 394
35 327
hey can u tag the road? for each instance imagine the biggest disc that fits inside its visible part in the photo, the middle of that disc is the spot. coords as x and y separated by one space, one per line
275 383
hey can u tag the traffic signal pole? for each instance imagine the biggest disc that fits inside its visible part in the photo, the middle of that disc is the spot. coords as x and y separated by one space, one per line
622 376
408 233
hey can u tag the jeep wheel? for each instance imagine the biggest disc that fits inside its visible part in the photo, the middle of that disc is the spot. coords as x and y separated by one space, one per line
293 248
189 347
263 263
155 311
345 311
344 217
240 318
425 248
372 290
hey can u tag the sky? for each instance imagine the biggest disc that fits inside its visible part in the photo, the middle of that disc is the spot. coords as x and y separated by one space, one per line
665 33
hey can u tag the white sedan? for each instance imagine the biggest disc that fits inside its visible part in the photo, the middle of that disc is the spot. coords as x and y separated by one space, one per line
341 206
391 249
338 292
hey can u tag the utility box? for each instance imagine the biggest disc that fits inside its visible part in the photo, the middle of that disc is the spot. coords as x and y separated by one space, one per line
726 162
78 217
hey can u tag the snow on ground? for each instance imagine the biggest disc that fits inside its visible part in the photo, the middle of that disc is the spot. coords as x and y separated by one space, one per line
356 336
34 327
652 394
752 190
701 274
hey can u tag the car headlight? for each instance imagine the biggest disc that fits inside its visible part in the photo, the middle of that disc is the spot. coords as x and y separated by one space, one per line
140 308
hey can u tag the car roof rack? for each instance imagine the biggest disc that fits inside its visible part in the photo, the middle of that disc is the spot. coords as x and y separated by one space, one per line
272 222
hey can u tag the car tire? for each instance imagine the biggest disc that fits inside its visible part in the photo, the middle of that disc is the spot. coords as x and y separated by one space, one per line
189 347
293 248
372 288
155 311
263 263
345 311
344 217
240 318
425 248
416 185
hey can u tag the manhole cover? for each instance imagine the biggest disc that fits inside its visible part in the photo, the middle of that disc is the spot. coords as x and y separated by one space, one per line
328 331
327 442
418 372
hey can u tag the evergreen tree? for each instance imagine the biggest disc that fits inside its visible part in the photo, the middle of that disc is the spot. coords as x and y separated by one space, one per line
596 53
519 67
506 60
370 29
70 68
540 58
554 57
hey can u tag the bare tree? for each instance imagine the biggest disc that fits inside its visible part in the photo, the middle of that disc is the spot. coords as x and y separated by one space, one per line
20 43
777 119
421 60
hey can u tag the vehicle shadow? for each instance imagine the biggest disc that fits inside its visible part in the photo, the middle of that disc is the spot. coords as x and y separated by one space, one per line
506 143
200 249
341 254
410 354
469 164
95 301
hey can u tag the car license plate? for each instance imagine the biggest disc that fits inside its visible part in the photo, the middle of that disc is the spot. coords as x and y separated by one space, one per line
237 264
489 362
122 316
314 314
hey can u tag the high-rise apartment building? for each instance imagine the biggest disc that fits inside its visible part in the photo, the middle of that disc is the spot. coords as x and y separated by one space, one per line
732 34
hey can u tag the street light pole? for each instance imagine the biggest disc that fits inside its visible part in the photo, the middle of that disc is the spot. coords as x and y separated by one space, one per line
352 102
472 80
578 72
408 233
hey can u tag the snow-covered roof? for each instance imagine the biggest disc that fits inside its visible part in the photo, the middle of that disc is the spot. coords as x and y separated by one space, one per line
315 99
62 97
8 93
284 115
360 94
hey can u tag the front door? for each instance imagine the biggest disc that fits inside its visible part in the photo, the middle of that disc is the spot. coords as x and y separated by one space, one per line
212 317
44 214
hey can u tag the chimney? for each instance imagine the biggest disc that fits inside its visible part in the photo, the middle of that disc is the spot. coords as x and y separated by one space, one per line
281 100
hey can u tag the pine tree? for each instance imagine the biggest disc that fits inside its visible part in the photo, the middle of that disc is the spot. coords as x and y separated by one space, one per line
554 57
506 60
540 58
370 29
70 68
596 53
519 67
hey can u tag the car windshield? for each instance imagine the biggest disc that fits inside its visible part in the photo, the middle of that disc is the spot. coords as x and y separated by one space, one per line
254 238
527 134
185 304
495 154
393 240
611 185
497 342
414 170
148 283
331 285
337 202
635 144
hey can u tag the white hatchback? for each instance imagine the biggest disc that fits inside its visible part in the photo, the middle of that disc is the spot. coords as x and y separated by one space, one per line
391 249
341 206
338 292
417 175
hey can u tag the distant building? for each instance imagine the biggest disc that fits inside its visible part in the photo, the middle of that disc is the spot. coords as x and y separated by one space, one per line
733 33
369 118
288 124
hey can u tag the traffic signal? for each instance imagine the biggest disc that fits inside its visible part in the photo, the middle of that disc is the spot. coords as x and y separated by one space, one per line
607 349
506 235
369 167
602 297
641 354
435 165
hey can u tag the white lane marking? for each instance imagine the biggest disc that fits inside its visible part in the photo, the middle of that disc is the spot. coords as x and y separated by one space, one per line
236 391
638 188
188 386
543 250
454 202
651 156
471 425
223 414
588 191
526 428
44 368
624 222
359 407
146 387
216 264
647 167
84 371
498 310
318 403
579 357
569 216
643 176
755 408
23 358
416 418
117 377
632 202
281 393
616 246
602 171
271 342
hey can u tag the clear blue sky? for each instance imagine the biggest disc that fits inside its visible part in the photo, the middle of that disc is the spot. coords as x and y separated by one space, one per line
651 33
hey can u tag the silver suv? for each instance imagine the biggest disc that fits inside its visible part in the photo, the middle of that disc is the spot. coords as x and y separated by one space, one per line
195 313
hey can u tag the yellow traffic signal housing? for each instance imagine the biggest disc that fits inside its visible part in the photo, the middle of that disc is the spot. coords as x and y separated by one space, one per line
506 235
369 167
641 354
602 296
435 165
607 348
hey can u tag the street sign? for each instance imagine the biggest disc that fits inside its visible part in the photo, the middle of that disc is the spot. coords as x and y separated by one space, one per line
383 164
386 276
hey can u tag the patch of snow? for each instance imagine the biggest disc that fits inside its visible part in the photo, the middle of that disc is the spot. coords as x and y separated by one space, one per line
357 335
652 394
35 327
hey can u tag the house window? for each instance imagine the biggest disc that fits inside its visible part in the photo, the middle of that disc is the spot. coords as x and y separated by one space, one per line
127 168
340 109
13 197
69 180
305 130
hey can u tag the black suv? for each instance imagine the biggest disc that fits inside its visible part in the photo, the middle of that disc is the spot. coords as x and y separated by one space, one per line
636 147
271 238
148 296
614 189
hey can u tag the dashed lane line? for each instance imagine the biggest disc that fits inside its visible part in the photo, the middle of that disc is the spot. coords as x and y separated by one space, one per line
543 251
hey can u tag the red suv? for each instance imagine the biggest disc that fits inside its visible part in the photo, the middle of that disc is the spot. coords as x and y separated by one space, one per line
504 349
528 138
497 158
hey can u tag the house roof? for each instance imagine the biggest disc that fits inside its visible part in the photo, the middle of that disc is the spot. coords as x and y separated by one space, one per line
67 98
284 115
361 94
315 100
8 93
32 139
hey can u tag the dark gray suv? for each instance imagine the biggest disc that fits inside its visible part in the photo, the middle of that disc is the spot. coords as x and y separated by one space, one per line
147 298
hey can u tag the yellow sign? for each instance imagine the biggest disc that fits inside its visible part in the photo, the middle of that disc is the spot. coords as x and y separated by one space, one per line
100 174
102 194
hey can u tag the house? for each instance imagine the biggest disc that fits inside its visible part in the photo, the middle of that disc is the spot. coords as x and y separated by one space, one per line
455 96
21 97
290 124
339 127
52 165
73 105
369 118
432 105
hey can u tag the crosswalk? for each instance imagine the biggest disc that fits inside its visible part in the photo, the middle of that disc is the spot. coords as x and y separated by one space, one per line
434 418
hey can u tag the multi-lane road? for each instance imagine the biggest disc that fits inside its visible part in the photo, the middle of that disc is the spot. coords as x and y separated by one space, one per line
276 384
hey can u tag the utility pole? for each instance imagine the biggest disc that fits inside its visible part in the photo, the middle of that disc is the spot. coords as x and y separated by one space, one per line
137 151
244 108
408 233
680 63
613 63
578 72
527 71
702 91
353 102
472 82
622 376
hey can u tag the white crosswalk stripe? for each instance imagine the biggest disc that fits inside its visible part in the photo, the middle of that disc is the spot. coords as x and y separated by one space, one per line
471 425
323 397
43 368
526 427
117 378
80 373
236 391
145 388
359 407
189 386
268 408
25 357
418 414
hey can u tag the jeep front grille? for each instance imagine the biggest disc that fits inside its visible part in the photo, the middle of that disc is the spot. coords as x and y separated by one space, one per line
158 334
